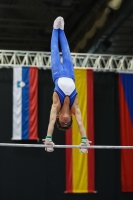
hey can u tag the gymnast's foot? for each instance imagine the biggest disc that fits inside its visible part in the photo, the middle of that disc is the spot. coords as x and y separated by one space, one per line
59 23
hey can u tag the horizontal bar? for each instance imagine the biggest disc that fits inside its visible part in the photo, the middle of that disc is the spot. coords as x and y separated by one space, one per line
64 146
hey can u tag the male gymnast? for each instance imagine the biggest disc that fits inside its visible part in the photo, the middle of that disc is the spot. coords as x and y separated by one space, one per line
65 100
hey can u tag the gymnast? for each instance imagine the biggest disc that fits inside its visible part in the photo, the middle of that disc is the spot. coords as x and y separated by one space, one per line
65 100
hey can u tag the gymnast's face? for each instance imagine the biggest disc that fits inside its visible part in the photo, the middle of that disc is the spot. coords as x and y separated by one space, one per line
65 119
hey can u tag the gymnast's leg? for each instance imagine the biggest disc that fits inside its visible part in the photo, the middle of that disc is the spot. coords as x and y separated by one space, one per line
55 55
67 60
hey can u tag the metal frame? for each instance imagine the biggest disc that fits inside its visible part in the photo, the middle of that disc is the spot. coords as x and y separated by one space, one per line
43 60
64 146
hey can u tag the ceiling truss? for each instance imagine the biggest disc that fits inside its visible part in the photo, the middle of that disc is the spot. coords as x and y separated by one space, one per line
43 60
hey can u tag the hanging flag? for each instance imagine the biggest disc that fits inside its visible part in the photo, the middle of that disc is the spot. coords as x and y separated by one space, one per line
25 103
126 129
80 167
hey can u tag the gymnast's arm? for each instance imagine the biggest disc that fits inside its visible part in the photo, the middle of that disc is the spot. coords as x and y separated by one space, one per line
76 111
53 115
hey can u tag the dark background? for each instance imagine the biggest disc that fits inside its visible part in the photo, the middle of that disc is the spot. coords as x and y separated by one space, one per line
27 25
32 173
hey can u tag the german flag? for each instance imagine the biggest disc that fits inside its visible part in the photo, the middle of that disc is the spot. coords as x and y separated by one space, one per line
80 167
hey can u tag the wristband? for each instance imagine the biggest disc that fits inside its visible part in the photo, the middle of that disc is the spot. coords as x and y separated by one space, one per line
50 137
84 138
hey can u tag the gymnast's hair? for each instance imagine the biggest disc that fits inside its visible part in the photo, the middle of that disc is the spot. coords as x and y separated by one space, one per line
62 128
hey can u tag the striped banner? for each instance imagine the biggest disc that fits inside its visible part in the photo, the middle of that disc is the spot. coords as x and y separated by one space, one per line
25 103
80 167
126 130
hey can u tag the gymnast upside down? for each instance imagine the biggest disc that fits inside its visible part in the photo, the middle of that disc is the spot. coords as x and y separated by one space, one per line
65 100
